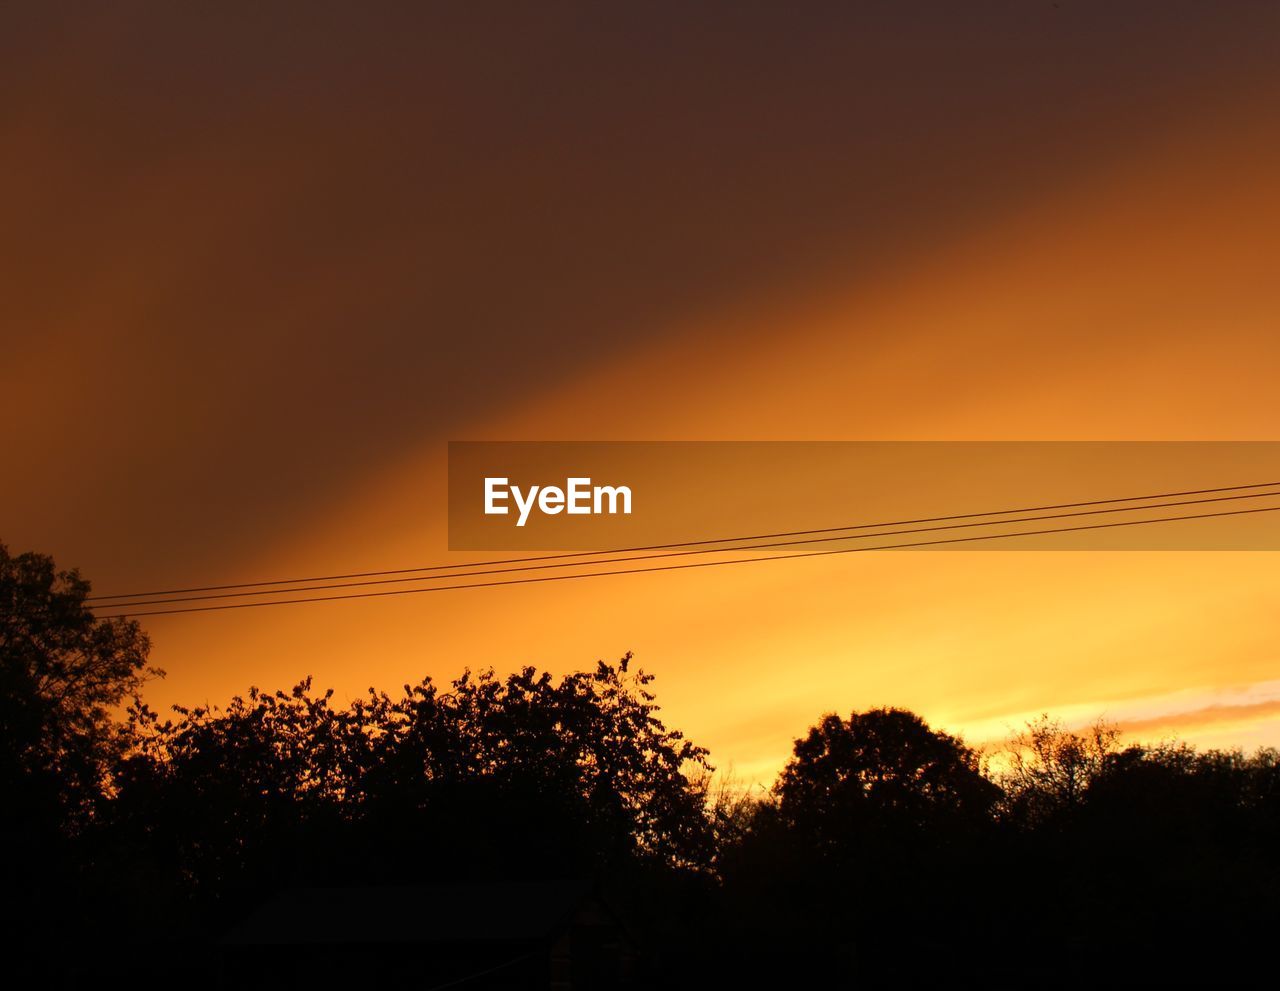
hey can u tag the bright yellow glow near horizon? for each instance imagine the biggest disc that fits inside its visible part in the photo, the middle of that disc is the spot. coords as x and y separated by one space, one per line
1136 302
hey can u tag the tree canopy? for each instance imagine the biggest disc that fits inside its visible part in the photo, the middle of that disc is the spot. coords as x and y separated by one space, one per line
882 772
63 676
884 842
523 776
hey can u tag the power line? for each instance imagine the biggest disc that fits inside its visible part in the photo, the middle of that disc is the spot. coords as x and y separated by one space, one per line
657 547
698 564
696 551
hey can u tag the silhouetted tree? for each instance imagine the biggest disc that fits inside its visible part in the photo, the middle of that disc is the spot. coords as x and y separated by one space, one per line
524 776
1173 848
875 827
885 849
225 803
597 777
63 673
1047 769
882 776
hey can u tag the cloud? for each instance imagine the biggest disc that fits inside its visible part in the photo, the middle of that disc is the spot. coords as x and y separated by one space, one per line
1210 721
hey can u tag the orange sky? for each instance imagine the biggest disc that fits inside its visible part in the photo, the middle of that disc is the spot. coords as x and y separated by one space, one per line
248 310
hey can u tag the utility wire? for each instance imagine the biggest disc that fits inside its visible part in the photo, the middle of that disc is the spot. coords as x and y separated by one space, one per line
686 553
698 564
657 547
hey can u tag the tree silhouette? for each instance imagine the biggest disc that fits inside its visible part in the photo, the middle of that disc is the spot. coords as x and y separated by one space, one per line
1048 770
62 674
597 775
874 827
886 848
522 777
226 803
884 776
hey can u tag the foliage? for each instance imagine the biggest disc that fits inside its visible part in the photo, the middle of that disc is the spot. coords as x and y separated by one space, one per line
884 841
881 773
577 773
1048 769
63 676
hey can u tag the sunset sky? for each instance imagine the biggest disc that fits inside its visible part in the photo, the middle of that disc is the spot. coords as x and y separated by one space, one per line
258 268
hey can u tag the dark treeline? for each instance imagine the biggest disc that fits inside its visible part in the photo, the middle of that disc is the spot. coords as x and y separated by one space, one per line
886 851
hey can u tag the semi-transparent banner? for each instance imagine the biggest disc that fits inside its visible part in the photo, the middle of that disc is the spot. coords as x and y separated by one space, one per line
780 497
